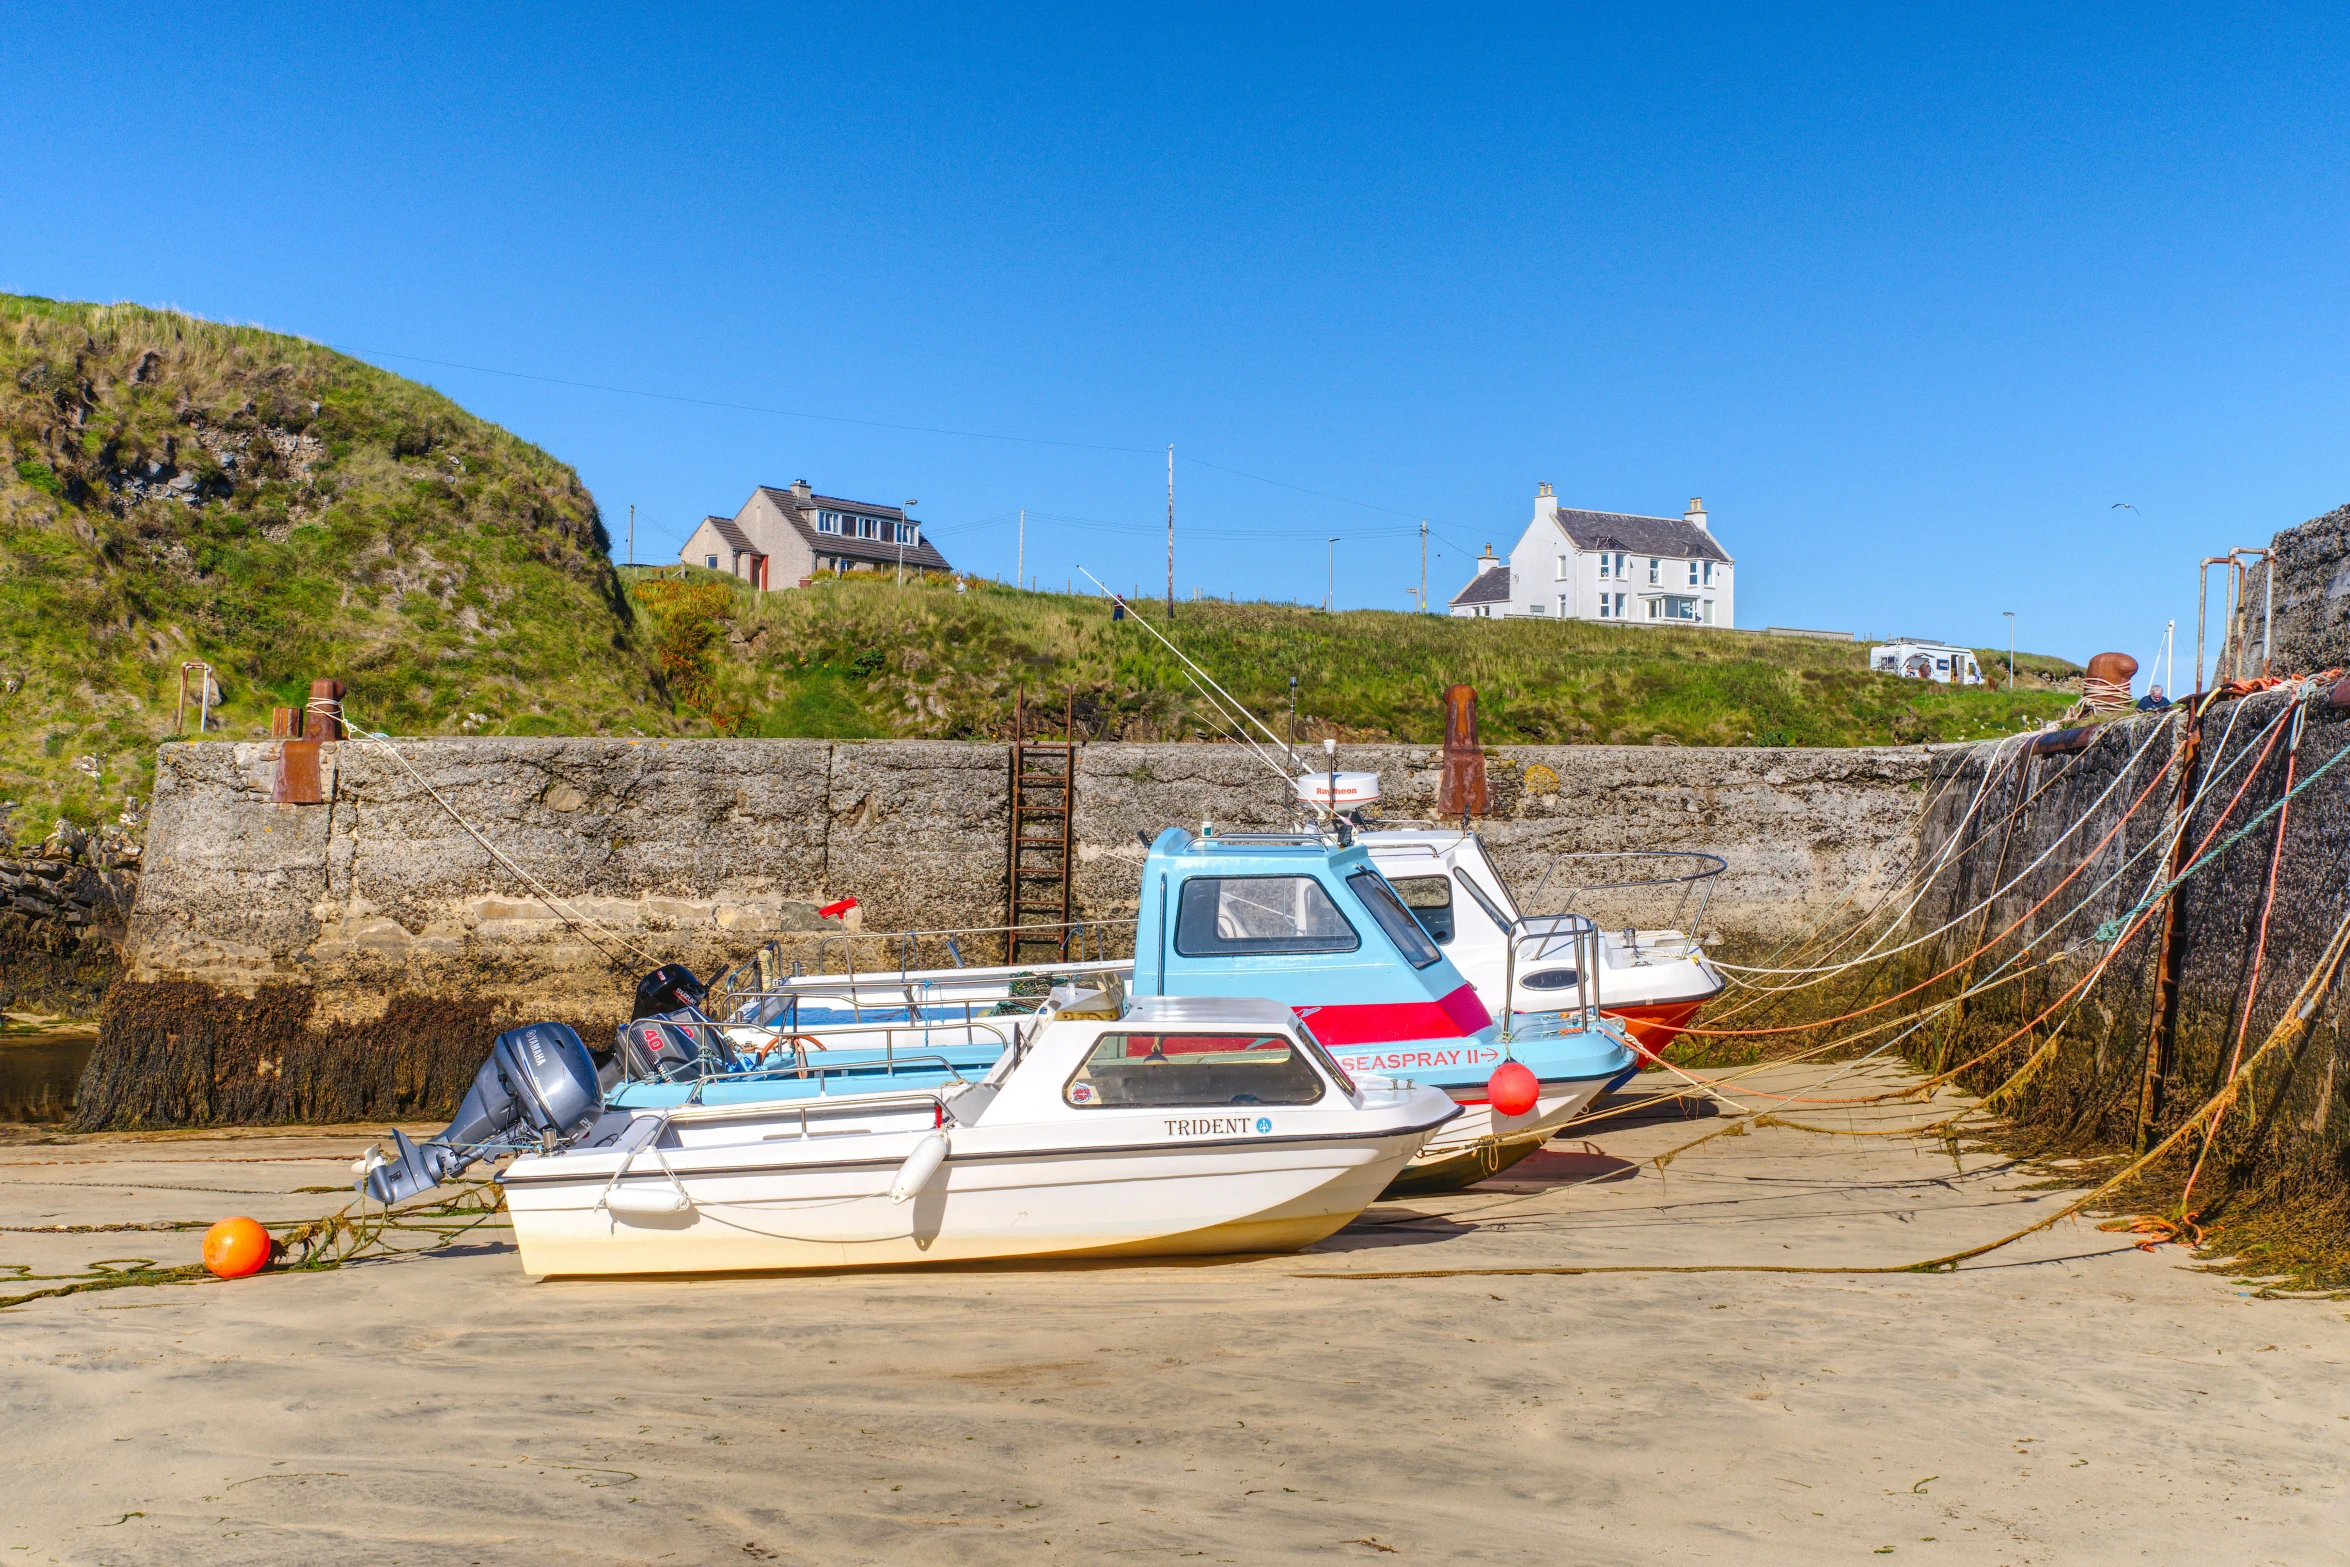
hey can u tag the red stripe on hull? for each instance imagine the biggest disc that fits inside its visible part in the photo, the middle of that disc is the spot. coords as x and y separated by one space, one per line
1390 1022
1653 1028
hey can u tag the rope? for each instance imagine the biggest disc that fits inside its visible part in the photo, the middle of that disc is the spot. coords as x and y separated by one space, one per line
351 1234
2289 1029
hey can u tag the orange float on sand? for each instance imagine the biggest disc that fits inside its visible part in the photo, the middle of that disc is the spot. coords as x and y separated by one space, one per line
234 1248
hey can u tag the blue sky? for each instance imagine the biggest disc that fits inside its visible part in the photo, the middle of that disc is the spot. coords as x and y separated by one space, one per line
1912 296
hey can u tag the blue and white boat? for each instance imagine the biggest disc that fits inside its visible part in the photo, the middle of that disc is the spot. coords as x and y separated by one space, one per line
1305 919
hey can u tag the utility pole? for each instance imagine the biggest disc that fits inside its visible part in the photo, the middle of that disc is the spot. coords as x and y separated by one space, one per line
1330 588
632 533
905 521
2170 657
1020 571
2010 614
1423 565
1170 534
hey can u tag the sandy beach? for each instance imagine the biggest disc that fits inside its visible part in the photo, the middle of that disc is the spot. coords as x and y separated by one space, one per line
2068 1400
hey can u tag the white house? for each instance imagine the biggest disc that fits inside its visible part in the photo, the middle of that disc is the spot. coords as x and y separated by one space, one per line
1605 565
1926 661
782 538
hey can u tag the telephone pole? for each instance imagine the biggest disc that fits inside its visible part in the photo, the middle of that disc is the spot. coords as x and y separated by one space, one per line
632 533
1170 533
1020 569
1423 565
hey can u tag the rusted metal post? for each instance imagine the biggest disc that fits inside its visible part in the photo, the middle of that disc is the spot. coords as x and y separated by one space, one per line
1463 792
323 718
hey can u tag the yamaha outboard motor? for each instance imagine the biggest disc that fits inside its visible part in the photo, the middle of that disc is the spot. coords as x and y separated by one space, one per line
677 1048
670 988
539 1083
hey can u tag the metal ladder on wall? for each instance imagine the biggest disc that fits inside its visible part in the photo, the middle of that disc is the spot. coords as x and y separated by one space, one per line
1040 835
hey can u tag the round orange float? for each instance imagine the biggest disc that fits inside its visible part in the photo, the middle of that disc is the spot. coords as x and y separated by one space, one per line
1513 1089
234 1248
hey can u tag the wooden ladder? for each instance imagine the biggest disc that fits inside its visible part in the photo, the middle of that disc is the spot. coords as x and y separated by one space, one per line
1039 845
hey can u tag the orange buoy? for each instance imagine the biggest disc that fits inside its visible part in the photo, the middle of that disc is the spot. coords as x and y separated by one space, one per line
234 1248
1512 1090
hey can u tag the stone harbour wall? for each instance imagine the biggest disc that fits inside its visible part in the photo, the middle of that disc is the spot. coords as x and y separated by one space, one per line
352 959
64 906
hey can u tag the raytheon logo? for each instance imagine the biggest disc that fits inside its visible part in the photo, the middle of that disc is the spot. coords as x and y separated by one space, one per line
1219 1126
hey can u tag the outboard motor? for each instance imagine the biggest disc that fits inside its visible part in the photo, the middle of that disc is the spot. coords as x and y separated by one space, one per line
670 988
540 1082
674 1049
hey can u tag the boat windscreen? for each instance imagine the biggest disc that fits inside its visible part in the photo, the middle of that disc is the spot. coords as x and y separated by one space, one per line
1129 1071
1233 915
1394 918
1429 898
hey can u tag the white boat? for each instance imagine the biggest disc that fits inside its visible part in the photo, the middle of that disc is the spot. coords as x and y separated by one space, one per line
1653 981
1187 1126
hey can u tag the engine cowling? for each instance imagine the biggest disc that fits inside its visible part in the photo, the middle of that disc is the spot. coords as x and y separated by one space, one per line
539 1082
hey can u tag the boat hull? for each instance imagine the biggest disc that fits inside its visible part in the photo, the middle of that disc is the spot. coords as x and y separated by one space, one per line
1483 1142
1653 1028
1107 1203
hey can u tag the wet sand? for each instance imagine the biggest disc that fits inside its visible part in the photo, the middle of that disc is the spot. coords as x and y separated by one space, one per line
2070 1400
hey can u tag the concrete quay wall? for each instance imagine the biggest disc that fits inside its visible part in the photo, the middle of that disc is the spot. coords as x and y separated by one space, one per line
352 958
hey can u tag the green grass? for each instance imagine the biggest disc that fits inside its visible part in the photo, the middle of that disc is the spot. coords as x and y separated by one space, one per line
174 490
858 655
351 524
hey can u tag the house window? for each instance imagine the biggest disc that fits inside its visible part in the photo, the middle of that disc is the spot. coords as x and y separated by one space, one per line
828 522
864 527
1693 574
1709 573
1603 565
1534 608
1620 571
710 561
1677 608
1562 571
1562 606
1654 566
1709 612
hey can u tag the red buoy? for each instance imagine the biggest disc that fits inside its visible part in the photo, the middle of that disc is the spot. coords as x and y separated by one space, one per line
1512 1090
234 1248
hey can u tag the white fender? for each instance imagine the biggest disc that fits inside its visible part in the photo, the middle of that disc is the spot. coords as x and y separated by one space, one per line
919 1167
646 1202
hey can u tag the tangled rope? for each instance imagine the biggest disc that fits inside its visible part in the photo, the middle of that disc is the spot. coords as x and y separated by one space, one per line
354 1233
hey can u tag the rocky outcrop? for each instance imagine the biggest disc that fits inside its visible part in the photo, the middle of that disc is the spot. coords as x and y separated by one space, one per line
2311 615
64 905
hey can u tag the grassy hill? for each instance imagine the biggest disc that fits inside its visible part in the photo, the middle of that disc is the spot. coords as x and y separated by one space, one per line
858 656
173 489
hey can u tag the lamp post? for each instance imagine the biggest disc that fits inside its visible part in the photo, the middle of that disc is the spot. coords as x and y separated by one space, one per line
2010 614
905 520
1330 588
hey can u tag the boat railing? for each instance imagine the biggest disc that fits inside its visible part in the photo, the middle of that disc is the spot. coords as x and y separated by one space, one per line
1574 937
1689 874
887 955
801 1051
935 998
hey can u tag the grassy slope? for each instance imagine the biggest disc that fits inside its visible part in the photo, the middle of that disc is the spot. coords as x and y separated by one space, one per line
328 519
858 656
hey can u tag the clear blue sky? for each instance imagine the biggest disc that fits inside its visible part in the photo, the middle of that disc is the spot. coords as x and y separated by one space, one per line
1910 296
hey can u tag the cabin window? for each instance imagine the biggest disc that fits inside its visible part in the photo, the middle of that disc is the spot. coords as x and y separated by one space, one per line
1170 1071
1430 900
1231 915
1394 918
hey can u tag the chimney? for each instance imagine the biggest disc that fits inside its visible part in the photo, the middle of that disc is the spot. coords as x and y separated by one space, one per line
800 488
1546 504
1696 511
1485 559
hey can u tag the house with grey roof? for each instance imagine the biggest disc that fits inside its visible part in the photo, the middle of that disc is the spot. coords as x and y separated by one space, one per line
1605 565
783 537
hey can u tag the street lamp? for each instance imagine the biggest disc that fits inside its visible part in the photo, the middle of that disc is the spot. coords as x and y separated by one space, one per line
1330 589
2010 614
905 520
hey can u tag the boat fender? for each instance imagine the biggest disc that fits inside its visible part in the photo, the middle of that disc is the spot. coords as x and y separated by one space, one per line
919 1167
646 1202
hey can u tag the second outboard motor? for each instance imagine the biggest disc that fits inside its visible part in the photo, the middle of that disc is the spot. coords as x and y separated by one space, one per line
670 988
539 1082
